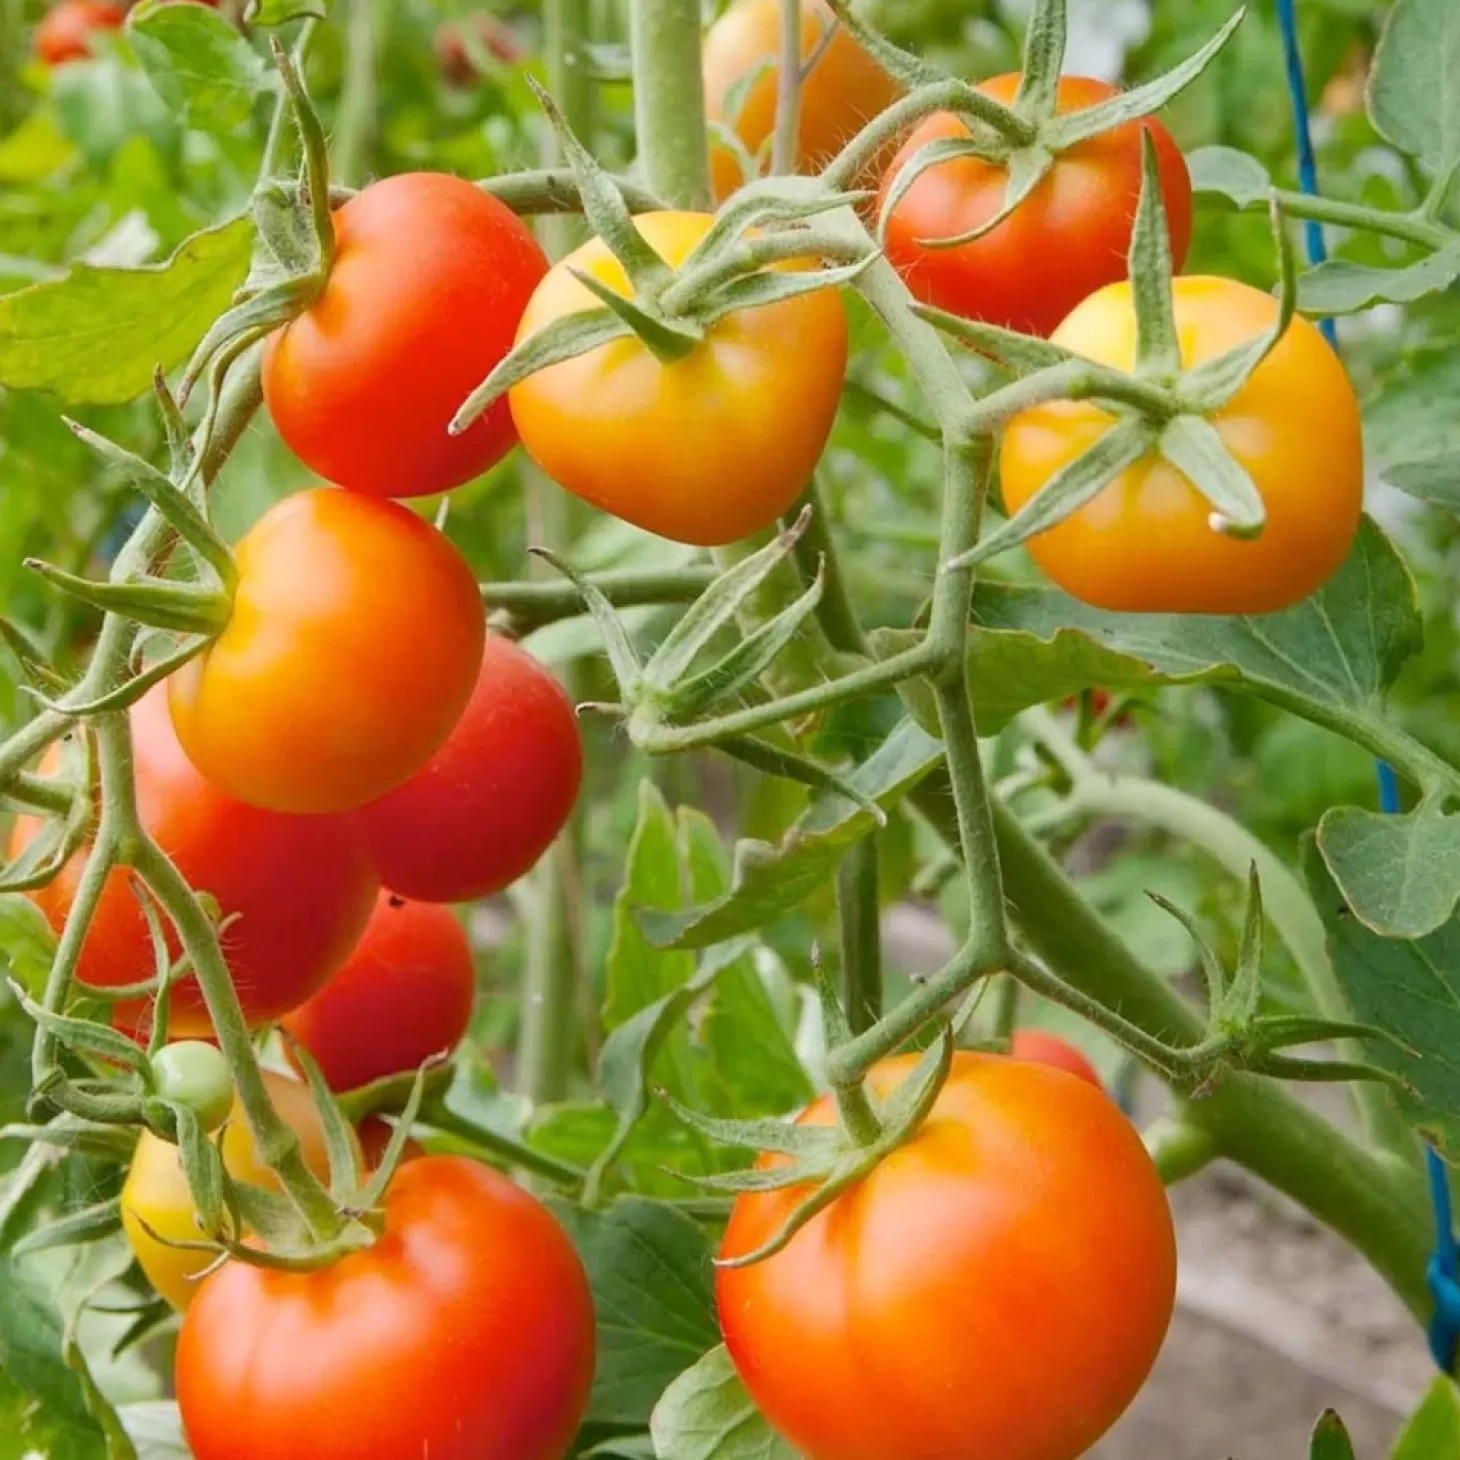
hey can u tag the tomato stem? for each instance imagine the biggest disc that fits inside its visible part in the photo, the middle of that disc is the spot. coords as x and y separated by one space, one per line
858 910
669 100
786 138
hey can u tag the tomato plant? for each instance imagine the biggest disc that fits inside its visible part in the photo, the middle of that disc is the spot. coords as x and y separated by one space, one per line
354 641
296 892
488 804
429 281
352 1357
1065 240
403 995
703 449
1145 542
1023 1219
157 1205
922 616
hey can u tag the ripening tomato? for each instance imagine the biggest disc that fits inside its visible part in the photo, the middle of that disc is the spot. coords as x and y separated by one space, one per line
65 31
297 890
1038 1047
1069 237
490 802
402 996
156 1193
494 37
465 1333
430 278
705 450
1145 543
355 640
841 93
1021 1234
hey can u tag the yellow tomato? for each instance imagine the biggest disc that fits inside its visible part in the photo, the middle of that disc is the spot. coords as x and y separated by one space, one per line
844 90
156 1191
707 449
1145 543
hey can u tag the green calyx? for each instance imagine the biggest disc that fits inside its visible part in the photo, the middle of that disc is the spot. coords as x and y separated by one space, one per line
1027 137
1158 408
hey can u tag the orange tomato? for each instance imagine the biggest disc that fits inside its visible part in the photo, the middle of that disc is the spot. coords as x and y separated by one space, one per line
1066 239
708 449
843 91
355 641
1144 544
65 32
999 1285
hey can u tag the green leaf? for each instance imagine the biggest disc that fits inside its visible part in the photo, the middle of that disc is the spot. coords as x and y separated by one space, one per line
27 942
199 64
639 974
1436 480
155 1426
771 880
31 1347
1432 1432
649 1268
1411 991
1342 287
97 335
1330 1439
1414 88
280 12
1400 875
32 1430
1229 173
1329 658
707 1415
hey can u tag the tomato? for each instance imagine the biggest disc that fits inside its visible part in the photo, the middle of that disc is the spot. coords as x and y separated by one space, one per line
1144 544
156 1191
430 278
705 450
65 31
194 1074
465 1333
297 890
354 644
844 90
490 802
1040 1048
403 995
1069 237
1001 1283
493 35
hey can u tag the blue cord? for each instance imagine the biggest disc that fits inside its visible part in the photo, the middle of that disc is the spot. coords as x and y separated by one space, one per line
1443 1273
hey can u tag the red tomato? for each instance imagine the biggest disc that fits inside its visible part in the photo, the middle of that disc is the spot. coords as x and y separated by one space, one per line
495 36
488 804
299 889
999 1286
354 643
1037 1047
430 279
65 32
465 1333
403 995
1069 237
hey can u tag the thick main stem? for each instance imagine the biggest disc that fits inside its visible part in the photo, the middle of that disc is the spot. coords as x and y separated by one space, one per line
669 100
858 912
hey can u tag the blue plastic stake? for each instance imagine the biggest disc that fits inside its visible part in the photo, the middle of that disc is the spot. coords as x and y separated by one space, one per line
1443 1274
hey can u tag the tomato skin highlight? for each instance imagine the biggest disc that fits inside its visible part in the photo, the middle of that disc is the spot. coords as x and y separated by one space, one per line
403 995
1022 1233
355 640
156 1190
706 450
430 278
465 1333
1068 238
299 889
65 31
1036 1046
482 811
1144 544
843 91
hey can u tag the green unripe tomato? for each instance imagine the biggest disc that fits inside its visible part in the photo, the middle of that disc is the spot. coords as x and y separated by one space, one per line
196 1075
